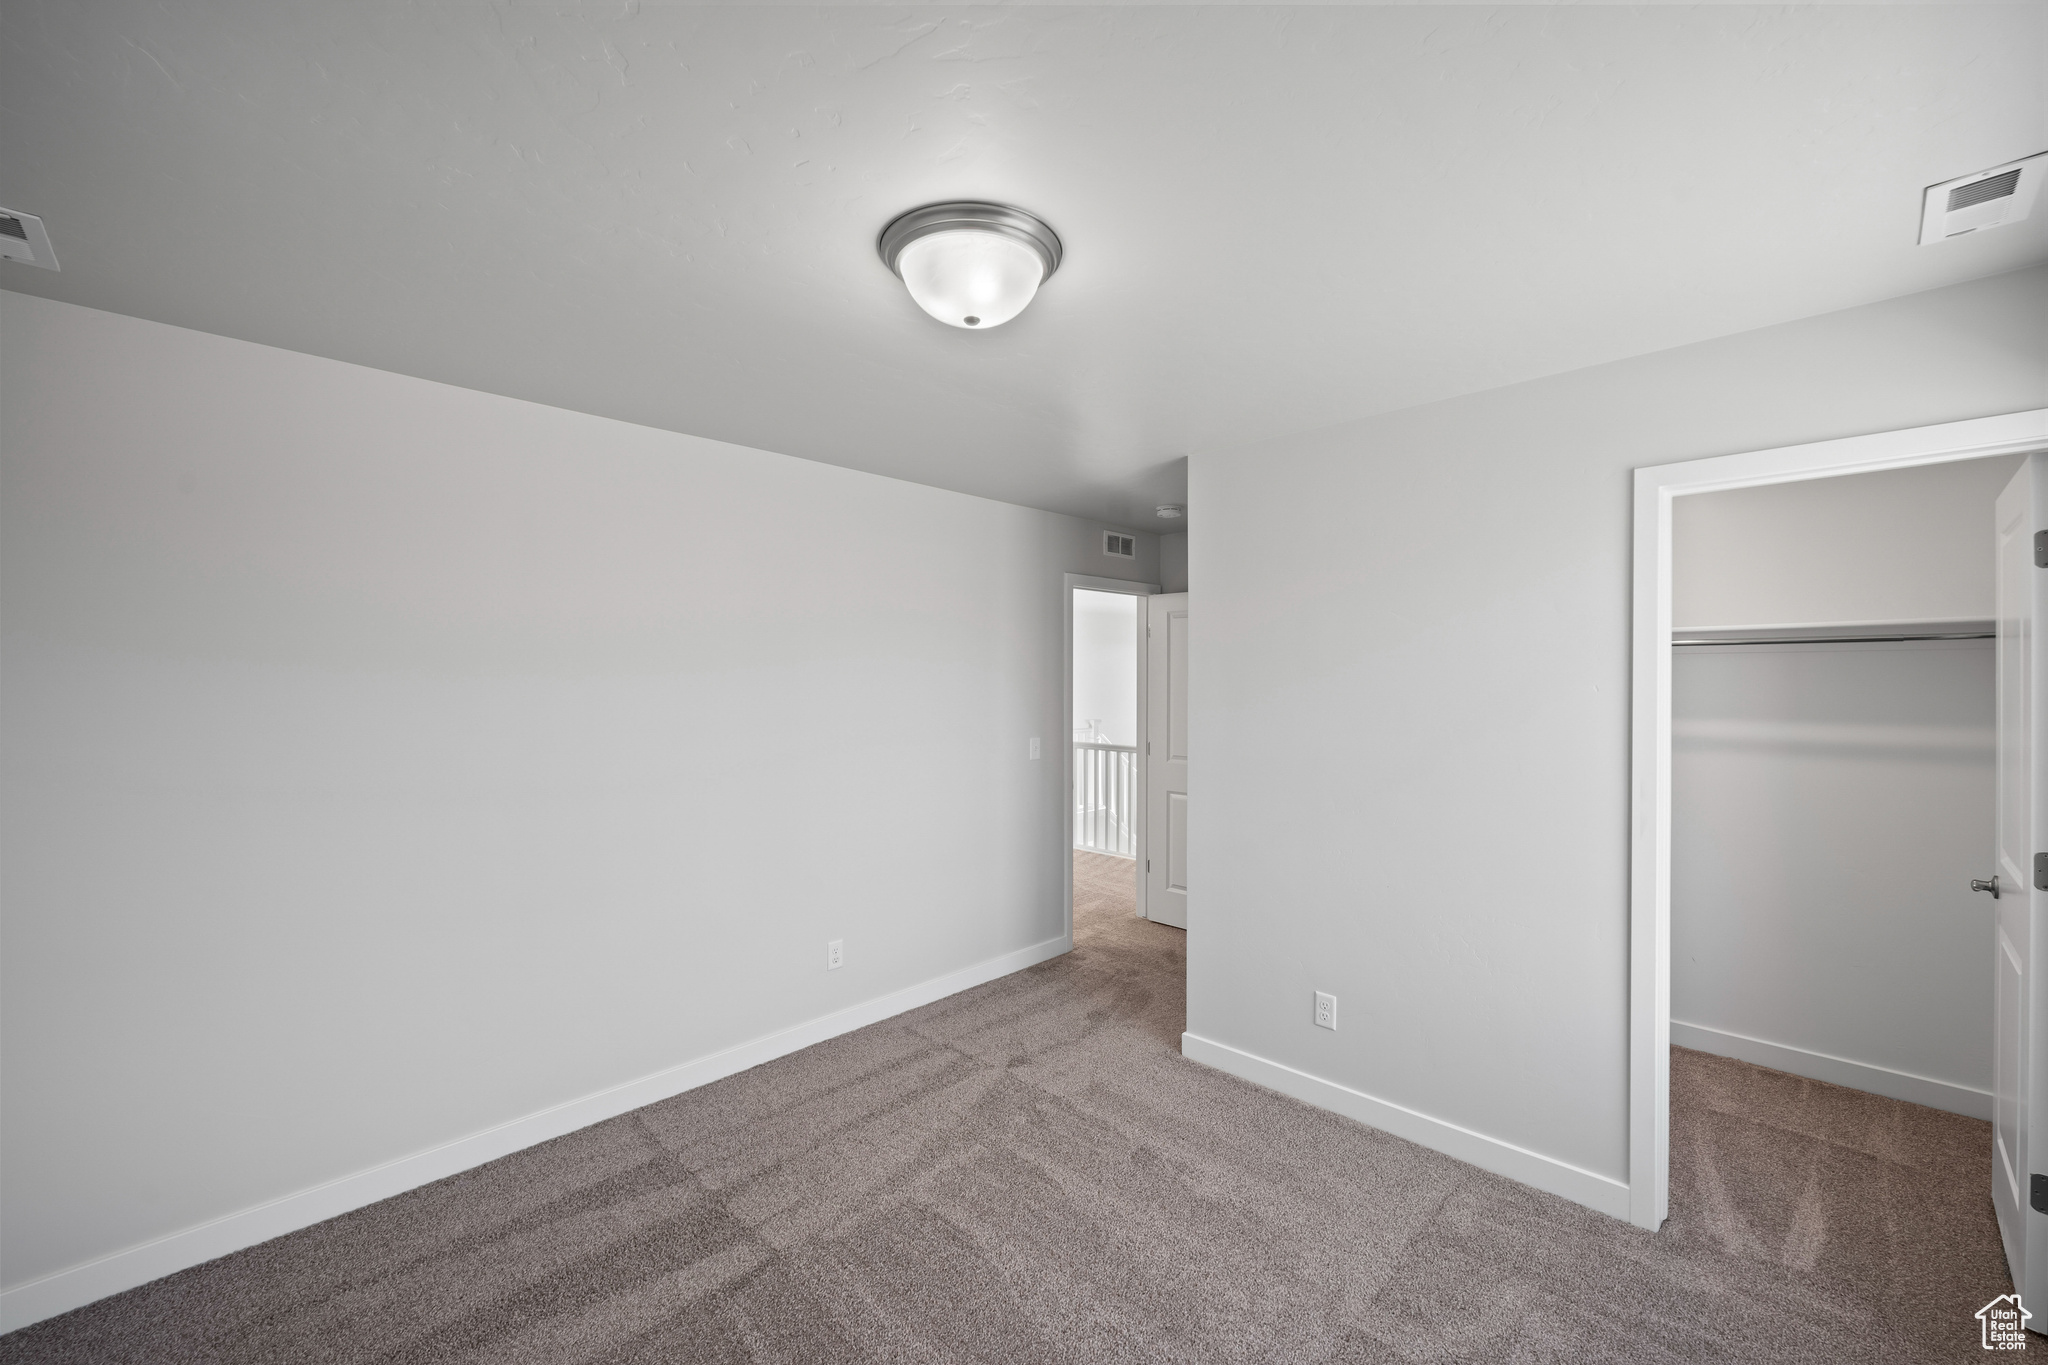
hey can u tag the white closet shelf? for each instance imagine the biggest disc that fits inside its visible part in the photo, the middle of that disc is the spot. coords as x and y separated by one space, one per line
1837 632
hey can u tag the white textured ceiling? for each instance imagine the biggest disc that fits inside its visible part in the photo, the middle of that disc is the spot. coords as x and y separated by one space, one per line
1275 218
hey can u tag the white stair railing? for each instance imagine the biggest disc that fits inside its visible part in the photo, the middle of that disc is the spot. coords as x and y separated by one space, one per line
1105 788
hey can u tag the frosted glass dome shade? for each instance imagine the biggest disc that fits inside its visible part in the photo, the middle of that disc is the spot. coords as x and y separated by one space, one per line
970 277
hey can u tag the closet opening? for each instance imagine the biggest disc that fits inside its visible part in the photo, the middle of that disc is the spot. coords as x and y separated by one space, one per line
1840 742
1833 779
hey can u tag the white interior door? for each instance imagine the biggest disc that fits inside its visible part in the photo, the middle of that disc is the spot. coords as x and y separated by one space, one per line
2020 1196
1166 758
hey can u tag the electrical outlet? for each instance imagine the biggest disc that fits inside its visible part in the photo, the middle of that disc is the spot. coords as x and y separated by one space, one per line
1326 1010
835 955
1034 746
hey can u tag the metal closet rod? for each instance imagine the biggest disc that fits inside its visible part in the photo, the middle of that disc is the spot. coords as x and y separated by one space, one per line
1900 638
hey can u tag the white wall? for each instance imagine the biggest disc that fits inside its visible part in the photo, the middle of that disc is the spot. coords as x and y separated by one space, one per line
1106 665
1829 806
1901 545
385 761
1410 695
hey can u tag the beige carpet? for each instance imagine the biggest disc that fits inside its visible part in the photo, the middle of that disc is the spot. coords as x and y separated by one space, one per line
1030 1172
1106 894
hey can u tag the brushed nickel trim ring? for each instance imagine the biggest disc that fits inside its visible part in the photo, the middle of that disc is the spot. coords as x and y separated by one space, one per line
974 215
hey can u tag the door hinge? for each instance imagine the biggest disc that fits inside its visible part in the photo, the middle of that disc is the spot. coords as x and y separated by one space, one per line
1148 867
2038 1195
2041 549
2041 871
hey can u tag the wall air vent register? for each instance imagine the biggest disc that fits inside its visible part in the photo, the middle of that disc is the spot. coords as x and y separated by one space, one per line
22 239
1121 546
1981 200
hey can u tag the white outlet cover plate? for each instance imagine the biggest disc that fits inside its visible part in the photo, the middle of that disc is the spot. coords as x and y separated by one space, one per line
1326 1010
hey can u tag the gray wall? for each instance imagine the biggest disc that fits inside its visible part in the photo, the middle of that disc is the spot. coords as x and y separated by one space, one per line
1410 703
1173 562
1829 805
386 761
1901 545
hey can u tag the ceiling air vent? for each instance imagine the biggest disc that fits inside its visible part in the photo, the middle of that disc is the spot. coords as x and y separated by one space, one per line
1123 547
22 239
1987 199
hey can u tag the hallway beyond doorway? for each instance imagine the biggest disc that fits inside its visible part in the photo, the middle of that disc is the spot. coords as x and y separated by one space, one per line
1105 887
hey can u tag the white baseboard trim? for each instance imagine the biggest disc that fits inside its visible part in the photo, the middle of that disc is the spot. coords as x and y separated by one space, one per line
1819 1066
82 1284
1599 1192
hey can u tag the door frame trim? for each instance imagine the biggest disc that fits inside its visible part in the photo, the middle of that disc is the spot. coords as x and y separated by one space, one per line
1068 583
1649 1104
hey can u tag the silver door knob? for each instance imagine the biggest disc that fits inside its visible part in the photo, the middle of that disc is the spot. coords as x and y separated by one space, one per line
1991 886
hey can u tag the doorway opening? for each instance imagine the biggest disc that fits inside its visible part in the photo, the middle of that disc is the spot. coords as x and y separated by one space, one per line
1832 797
1126 754
1832 778
1107 821
1755 686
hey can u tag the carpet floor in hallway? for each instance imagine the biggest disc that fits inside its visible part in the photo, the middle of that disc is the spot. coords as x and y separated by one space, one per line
1030 1172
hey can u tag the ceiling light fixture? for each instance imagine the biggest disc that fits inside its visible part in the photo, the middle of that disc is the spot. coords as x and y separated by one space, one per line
1170 510
971 264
